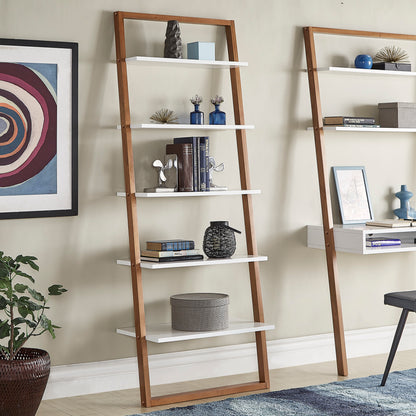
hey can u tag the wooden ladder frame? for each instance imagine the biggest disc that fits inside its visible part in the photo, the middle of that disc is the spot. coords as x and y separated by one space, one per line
140 326
327 218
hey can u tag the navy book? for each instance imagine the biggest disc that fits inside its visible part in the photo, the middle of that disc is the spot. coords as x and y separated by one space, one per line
171 259
170 245
382 241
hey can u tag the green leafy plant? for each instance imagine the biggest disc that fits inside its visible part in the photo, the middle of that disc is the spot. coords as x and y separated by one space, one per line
22 308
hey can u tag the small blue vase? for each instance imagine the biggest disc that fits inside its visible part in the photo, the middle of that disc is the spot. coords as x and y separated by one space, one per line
363 61
217 116
197 116
404 211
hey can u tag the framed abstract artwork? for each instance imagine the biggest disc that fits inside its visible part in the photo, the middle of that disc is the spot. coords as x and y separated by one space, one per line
38 128
353 196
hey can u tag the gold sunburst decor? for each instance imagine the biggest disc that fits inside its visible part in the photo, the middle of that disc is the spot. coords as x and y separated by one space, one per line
164 116
391 54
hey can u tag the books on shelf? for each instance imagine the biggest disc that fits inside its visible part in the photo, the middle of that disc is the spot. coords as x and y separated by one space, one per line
185 165
352 126
348 121
162 251
158 253
172 259
382 242
170 245
392 223
200 157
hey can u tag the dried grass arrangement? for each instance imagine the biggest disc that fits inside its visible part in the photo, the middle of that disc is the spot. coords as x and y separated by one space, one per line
391 54
164 116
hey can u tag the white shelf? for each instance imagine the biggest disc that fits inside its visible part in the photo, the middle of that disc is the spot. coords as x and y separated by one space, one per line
173 126
185 62
352 238
164 333
367 71
371 129
193 263
192 194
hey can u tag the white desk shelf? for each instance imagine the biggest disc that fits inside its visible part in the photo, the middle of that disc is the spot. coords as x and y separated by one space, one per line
352 238
185 62
161 333
194 263
192 194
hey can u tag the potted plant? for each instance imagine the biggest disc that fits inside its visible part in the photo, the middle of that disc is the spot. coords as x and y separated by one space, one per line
24 371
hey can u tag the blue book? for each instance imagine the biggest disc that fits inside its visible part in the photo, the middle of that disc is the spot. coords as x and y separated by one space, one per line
170 245
382 242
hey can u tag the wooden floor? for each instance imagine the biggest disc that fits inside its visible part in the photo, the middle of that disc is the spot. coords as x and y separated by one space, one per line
127 402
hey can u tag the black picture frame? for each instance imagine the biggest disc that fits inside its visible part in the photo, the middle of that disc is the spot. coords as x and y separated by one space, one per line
61 60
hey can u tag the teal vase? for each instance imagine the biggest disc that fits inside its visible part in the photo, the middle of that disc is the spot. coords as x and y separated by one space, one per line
404 211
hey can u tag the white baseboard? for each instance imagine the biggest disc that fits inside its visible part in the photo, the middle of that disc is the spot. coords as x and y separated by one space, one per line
98 377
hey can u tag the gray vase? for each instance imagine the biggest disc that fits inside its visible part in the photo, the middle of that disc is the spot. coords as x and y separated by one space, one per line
173 42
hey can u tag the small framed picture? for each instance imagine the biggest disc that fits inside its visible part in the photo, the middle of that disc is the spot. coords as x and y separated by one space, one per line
353 197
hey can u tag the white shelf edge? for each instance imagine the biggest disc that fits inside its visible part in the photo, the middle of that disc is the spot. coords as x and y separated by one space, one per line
192 194
390 249
193 62
194 263
173 126
366 71
351 238
164 333
372 129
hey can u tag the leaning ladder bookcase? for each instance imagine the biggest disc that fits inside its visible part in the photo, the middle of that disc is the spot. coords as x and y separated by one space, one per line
318 129
136 269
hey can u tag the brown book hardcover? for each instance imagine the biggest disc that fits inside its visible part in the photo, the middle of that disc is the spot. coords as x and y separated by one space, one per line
185 165
347 120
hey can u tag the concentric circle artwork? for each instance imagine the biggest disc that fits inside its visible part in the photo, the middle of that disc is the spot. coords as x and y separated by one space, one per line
38 128
28 128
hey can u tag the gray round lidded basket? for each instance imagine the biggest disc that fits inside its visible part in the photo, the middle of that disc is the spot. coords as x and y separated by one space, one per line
199 311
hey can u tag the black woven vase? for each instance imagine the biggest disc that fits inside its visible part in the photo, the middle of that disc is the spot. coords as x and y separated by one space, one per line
219 240
23 382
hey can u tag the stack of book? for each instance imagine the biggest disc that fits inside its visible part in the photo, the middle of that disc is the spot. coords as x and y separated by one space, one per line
382 242
345 121
193 168
397 223
170 250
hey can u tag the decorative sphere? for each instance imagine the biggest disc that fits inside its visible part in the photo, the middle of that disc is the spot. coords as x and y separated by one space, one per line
363 61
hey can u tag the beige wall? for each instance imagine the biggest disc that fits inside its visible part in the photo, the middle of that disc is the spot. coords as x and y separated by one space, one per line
80 252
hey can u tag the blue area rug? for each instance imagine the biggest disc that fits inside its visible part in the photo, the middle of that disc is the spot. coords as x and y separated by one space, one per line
361 397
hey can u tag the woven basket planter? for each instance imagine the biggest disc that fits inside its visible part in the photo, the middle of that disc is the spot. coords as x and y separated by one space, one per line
199 311
23 382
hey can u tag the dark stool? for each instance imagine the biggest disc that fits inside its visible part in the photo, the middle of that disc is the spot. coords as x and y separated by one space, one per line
406 301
